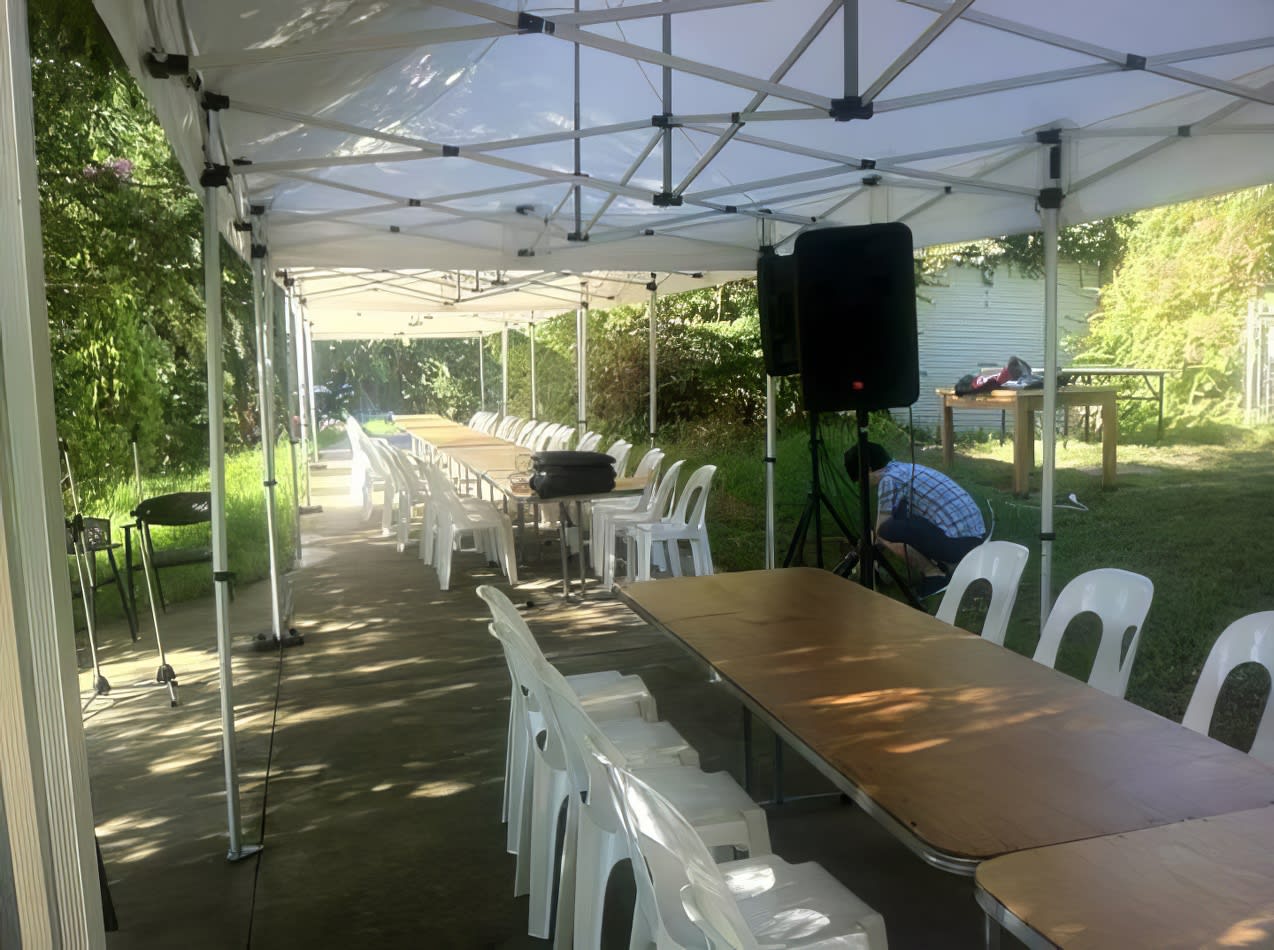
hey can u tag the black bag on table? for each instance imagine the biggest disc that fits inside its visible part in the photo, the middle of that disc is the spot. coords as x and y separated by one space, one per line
558 474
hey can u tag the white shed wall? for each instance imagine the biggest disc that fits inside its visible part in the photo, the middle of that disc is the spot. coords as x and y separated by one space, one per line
967 322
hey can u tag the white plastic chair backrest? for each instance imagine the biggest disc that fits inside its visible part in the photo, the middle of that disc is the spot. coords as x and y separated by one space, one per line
531 438
619 450
562 438
1001 563
650 462
662 501
504 612
693 504
691 899
475 420
1120 599
377 457
581 738
1249 639
590 442
547 436
523 431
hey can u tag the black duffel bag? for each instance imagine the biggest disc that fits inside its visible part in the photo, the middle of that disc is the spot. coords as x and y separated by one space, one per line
558 474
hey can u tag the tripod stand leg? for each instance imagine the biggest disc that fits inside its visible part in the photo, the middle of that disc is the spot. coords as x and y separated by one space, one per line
797 545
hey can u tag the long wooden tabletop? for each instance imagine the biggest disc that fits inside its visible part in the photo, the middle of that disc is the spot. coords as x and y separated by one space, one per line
493 459
963 748
1202 883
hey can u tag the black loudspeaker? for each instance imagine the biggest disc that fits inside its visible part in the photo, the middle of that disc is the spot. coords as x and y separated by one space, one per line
856 318
776 301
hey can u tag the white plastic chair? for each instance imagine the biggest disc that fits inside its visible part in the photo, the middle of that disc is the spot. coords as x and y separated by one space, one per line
999 562
638 739
450 520
606 694
688 522
618 523
1249 639
590 442
1121 600
685 899
720 811
602 508
561 439
619 450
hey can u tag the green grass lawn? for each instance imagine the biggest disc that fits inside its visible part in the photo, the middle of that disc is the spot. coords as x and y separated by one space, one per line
1196 519
245 529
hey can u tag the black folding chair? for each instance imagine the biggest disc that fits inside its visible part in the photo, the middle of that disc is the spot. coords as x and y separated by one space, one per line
177 509
97 539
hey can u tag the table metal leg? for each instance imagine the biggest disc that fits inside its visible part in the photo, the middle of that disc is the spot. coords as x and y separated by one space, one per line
561 533
778 771
1109 441
990 933
579 533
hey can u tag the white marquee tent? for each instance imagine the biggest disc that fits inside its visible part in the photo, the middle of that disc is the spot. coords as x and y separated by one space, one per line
520 149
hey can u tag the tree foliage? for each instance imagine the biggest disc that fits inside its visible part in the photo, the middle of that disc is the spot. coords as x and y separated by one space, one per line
123 264
1179 301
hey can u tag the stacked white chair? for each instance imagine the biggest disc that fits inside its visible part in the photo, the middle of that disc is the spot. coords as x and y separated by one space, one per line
728 815
688 522
720 811
1121 600
685 899
621 523
523 431
1001 564
607 694
451 518
1249 639
603 508
589 442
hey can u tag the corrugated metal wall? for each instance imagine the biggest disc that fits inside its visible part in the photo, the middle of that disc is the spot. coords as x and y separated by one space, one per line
968 322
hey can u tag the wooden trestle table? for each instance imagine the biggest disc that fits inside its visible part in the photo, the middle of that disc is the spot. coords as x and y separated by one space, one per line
1208 882
961 748
1024 403
502 466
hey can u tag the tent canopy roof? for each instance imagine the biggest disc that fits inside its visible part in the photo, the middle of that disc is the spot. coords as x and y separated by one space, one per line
459 135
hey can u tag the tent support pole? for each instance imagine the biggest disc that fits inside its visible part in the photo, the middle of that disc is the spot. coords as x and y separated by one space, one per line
263 297
301 421
651 316
482 375
850 12
767 234
217 491
667 105
504 370
581 363
307 341
535 408
1050 212
296 430
49 892
771 447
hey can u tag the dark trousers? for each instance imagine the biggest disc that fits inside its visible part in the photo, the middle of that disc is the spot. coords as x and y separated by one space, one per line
922 535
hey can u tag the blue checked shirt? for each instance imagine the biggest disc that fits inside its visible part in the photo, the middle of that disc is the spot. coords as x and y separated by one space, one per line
931 495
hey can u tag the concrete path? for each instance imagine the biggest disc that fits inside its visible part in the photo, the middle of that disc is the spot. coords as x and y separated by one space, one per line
383 739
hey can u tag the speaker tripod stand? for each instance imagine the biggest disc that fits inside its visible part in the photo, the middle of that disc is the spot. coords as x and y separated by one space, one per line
863 557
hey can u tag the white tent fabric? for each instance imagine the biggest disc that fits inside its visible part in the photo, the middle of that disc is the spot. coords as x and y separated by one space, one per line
363 303
460 135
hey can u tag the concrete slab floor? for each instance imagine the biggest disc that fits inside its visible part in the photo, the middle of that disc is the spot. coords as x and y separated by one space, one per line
372 759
